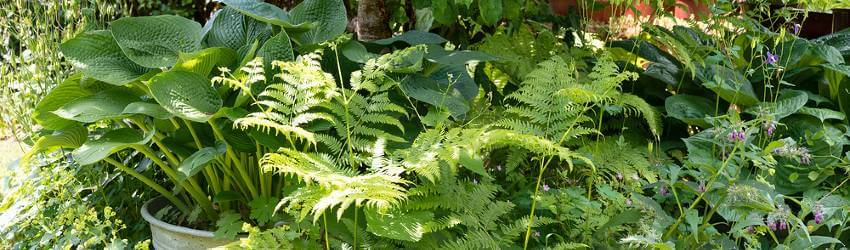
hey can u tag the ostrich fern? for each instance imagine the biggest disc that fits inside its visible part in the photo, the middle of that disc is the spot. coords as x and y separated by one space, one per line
290 101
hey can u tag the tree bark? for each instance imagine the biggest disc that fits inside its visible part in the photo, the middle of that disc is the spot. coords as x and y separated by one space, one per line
372 20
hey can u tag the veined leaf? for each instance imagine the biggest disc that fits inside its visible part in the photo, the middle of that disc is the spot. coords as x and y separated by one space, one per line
108 104
96 54
398 225
70 138
729 84
267 13
356 52
413 37
822 114
788 103
111 142
439 55
329 16
148 109
444 11
65 92
229 28
156 41
196 162
204 61
432 92
277 48
185 94
689 109
491 11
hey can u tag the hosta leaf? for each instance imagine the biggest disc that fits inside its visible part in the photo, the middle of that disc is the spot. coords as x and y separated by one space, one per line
432 92
109 143
729 84
413 37
398 225
204 61
70 138
63 93
196 162
148 109
788 103
185 94
108 104
356 52
267 13
491 11
457 77
232 29
96 54
814 242
689 109
408 60
328 15
822 114
439 55
156 41
278 48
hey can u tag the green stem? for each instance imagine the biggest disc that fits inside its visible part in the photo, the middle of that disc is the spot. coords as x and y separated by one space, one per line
147 181
249 183
533 204
327 241
191 186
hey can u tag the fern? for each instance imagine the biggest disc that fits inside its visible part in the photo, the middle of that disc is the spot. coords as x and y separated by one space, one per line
336 186
290 104
363 114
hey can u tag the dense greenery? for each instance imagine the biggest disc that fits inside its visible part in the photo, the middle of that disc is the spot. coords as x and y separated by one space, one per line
492 125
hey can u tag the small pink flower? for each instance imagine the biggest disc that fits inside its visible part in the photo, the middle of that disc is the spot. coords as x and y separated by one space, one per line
545 188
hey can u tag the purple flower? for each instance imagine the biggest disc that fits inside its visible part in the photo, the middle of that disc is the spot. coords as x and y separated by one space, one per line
701 187
783 225
663 190
751 229
772 225
770 127
545 188
797 28
805 157
736 135
818 212
770 58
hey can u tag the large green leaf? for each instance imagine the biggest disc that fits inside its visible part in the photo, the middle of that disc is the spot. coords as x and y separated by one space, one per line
356 52
267 13
96 54
413 37
196 162
107 104
788 103
63 93
328 15
278 48
457 77
824 142
427 90
204 61
113 141
69 138
444 11
156 41
230 28
185 94
491 11
729 84
439 55
148 109
689 109
822 114
398 225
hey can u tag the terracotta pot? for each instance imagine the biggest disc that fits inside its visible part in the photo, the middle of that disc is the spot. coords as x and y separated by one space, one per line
562 8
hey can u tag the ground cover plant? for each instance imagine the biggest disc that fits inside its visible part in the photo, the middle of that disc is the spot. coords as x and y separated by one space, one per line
458 125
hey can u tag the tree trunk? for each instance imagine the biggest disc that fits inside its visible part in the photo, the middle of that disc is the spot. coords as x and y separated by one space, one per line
372 20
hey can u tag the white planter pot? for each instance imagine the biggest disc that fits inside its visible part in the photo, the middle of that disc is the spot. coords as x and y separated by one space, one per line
166 236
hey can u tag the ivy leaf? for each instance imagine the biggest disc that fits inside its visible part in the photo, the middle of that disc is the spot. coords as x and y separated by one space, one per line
229 225
263 208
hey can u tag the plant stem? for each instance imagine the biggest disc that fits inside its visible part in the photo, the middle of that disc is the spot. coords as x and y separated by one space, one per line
147 181
249 183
